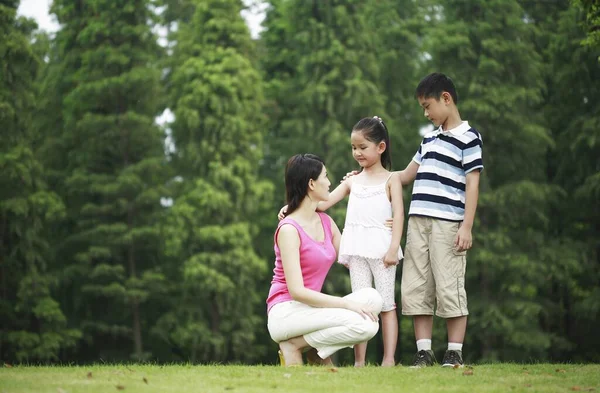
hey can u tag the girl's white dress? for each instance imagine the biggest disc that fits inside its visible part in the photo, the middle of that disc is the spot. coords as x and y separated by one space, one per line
365 233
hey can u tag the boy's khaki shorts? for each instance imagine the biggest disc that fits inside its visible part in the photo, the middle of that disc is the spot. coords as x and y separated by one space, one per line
433 269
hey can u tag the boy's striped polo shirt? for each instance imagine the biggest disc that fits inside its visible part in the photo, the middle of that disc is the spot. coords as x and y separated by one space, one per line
444 159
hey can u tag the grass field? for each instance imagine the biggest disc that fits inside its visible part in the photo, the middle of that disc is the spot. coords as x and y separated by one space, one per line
209 379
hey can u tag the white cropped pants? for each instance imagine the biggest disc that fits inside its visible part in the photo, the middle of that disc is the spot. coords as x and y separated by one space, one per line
326 329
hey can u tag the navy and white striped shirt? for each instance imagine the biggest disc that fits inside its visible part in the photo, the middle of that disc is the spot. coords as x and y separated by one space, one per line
444 159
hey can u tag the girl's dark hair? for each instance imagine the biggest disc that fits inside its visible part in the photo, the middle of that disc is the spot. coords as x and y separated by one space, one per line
298 172
374 130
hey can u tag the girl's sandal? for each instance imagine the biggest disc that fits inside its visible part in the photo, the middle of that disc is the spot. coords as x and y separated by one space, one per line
281 359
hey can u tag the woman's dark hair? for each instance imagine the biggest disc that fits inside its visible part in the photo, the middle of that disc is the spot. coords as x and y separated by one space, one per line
298 172
374 130
434 85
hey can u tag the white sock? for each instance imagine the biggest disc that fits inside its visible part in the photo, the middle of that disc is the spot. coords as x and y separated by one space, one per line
424 344
455 346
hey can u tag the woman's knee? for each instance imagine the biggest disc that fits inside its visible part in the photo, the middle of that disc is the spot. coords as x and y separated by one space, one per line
275 333
372 298
367 330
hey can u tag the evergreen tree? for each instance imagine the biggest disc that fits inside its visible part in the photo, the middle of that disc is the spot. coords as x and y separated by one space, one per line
487 48
216 96
398 51
113 168
572 107
34 327
323 76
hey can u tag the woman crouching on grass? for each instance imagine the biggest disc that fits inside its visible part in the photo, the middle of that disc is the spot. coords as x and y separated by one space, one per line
300 317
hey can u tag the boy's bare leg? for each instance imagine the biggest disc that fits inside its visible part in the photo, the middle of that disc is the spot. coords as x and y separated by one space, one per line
292 350
389 330
360 352
457 328
423 325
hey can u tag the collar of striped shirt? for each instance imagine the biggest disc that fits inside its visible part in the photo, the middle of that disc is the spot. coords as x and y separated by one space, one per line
459 130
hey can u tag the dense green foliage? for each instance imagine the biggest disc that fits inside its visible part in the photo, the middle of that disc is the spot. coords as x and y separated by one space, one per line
121 239
33 324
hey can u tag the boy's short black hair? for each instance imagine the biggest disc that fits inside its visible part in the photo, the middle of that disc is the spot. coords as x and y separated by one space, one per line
433 85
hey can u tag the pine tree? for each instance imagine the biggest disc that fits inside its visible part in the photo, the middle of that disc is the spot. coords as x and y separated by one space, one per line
573 112
34 327
319 89
216 96
398 52
114 168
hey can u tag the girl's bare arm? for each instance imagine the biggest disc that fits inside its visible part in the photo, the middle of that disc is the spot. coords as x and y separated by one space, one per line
336 195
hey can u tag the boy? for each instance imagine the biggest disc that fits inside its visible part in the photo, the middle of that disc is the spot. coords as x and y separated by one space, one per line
446 172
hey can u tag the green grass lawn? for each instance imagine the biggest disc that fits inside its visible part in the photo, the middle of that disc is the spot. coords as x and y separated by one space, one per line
209 379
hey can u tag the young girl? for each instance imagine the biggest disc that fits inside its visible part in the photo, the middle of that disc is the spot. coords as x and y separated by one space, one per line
368 248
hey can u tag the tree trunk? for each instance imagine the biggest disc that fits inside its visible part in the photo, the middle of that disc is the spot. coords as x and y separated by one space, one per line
137 329
2 272
215 320
135 305
2 267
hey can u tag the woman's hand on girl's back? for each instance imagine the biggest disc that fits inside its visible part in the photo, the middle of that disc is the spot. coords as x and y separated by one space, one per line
349 174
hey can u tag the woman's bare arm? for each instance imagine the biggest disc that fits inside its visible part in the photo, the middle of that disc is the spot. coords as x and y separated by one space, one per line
288 241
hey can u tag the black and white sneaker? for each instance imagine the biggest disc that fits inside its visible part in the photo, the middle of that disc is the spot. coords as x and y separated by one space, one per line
424 359
452 359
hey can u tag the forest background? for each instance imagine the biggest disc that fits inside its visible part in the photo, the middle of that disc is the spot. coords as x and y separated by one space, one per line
122 239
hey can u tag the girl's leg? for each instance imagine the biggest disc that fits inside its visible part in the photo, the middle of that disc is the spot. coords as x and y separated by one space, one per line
389 330
360 277
313 358
385 280
360 354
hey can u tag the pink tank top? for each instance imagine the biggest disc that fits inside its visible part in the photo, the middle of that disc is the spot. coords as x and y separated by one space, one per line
316 259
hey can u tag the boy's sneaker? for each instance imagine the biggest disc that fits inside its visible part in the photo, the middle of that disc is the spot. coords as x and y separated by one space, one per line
424 359
452 359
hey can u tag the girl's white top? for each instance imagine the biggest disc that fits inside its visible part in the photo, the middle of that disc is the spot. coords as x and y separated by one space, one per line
365 233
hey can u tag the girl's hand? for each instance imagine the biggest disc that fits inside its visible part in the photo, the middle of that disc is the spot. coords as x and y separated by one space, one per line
349 174
361 309
389 222
281 214
390 259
